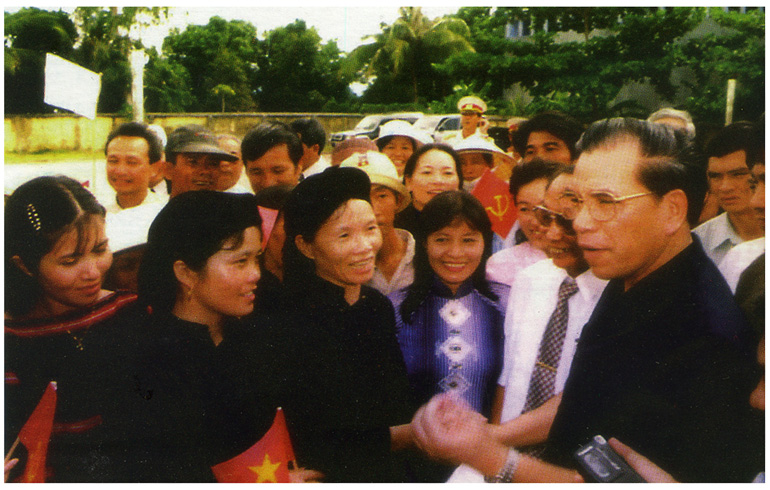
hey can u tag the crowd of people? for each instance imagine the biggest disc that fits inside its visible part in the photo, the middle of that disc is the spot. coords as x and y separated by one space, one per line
369 293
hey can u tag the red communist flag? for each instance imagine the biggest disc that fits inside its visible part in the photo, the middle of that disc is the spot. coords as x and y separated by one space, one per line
497 201
267 461
36 434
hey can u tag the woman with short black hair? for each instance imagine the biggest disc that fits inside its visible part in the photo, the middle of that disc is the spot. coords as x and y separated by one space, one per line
346 393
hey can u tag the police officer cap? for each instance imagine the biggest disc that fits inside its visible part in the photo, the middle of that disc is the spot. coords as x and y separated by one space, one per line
472 103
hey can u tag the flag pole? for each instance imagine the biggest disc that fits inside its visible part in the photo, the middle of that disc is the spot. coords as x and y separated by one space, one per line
93 144
730 101
10 453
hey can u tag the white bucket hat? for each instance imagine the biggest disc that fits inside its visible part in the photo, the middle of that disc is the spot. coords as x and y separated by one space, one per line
381 171
477 144
403 128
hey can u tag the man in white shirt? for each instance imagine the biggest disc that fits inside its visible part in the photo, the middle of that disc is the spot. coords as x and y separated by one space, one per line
231 177
134 155
530 322
313 138
743 254
730 154
472 120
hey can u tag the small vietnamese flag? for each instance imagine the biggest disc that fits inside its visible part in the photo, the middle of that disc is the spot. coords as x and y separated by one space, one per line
36 434
497 201
267 461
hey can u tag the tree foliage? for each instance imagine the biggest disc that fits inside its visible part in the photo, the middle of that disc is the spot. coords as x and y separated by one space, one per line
298 73
221 52
30 33
403 55
591 62
597 75
105 48
96 38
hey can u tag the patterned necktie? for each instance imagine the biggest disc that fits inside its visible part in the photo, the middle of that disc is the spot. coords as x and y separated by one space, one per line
543 378
544 374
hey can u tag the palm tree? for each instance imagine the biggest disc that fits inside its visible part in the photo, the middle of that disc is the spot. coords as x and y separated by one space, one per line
408 48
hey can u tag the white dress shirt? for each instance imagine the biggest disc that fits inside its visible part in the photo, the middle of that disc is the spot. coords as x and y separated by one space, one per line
738 258
532 301
319 166
530 305
503 266
717 236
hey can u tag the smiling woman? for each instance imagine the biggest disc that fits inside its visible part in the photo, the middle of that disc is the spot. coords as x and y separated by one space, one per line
335 338
431 170
450 320
59 321
198 277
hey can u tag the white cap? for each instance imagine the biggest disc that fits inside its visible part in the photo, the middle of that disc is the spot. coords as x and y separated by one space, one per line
381 171
403 128
471 103
477 144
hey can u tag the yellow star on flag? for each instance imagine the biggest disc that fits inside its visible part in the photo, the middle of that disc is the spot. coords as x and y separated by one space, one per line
266 472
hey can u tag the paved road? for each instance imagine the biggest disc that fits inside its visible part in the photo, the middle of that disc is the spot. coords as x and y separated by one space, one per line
82 171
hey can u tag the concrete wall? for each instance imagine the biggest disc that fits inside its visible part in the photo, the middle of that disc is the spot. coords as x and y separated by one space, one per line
53 132
56 132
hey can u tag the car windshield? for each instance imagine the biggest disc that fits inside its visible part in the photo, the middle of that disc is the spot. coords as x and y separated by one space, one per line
427 123
368 123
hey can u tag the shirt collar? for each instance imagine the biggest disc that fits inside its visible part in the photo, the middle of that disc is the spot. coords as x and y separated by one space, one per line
722 231
443 290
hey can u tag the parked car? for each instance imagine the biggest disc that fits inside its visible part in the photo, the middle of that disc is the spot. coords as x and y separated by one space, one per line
369 126
439 126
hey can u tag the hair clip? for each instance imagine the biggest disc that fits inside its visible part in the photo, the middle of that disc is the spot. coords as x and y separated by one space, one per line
34 218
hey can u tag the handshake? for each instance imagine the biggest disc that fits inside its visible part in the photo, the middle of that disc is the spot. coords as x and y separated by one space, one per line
447 429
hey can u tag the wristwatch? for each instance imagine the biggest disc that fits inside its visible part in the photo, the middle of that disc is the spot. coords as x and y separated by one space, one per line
505 475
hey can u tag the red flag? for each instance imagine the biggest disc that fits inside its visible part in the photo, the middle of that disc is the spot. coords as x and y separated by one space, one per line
267 461
497 201
36 434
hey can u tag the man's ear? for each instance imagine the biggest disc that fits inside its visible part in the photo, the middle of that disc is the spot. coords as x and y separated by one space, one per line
186 276
158 169
16 260
674 211
304 247
316 148
167 168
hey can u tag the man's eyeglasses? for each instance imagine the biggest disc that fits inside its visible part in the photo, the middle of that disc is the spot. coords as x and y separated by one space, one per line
602 206
546 217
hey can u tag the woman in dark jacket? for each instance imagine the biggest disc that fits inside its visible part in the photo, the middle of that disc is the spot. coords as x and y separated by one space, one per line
184 411
347 399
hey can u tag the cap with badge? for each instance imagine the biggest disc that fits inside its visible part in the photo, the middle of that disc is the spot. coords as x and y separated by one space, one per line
381 171
195 139
471 103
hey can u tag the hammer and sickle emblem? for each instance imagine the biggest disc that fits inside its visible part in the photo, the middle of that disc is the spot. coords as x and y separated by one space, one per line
501 208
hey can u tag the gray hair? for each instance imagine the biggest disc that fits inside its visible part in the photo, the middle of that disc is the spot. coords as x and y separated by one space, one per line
676 114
